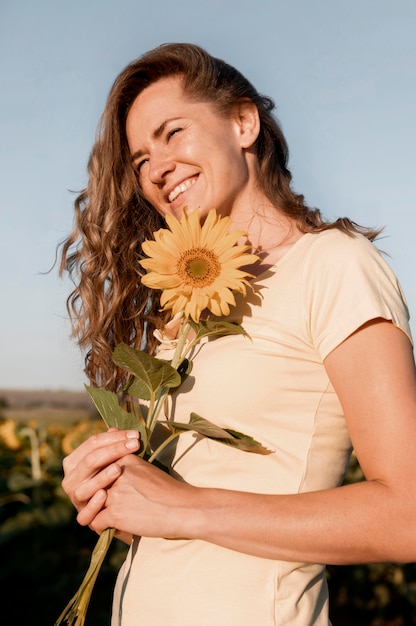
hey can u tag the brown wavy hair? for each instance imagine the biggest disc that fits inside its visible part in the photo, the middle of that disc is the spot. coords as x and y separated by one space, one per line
112 218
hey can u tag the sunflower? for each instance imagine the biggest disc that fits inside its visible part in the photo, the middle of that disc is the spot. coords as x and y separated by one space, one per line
196 266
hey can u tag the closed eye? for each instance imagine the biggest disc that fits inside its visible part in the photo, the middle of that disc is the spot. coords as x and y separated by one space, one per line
140 164
172 132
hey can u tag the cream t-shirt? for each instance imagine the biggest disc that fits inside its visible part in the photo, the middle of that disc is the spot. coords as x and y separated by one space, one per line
274 387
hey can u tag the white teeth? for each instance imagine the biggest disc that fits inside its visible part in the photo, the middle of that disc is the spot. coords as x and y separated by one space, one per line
181 188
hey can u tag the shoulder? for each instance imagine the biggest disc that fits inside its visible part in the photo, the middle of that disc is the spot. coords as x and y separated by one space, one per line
345 283
333 251
338 242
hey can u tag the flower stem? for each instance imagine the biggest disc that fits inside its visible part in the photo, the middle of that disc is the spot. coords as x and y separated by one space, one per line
75 611
156 408
176 361
183 335
163 445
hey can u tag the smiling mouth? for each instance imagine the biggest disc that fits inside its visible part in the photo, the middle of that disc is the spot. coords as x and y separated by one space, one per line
181 188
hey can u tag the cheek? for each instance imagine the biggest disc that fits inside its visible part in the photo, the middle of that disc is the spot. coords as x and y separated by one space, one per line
147 188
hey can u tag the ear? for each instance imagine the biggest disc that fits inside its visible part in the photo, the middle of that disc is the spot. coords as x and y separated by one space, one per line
248 121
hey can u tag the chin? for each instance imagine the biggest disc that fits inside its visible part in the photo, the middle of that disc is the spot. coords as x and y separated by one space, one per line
189 209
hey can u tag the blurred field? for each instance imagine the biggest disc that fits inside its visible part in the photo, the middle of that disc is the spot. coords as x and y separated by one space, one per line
46 414
45 406
44 553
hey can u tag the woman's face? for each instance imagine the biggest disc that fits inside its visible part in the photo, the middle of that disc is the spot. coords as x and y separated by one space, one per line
186 153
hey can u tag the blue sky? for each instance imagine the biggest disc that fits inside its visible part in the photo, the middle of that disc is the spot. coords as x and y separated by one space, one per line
343 75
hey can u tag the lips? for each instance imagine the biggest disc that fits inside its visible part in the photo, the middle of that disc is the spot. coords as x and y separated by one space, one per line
179 189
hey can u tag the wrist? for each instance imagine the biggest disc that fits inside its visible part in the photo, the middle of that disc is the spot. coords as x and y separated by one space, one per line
201 515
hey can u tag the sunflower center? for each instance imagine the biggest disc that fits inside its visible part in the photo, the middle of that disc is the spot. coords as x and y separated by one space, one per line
198 267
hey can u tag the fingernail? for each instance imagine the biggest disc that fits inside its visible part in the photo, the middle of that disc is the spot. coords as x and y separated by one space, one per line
99 496
113 470
131 444
132 434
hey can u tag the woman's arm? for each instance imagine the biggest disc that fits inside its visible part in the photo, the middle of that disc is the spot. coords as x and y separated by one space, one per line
373 374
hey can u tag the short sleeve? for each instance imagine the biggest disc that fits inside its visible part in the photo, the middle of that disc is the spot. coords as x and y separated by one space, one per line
346 282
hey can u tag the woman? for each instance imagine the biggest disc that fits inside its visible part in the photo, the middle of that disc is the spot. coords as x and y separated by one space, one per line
234 538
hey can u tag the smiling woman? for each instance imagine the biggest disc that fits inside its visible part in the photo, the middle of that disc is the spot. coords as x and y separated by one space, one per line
232 539
193 156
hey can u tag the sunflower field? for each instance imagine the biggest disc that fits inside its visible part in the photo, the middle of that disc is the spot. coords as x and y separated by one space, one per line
45 553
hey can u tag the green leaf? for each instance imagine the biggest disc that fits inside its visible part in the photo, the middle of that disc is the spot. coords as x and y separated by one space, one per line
229 437
205 328
113 415
151 373
138 389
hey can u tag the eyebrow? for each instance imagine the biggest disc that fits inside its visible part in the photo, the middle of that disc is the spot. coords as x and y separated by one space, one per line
155 135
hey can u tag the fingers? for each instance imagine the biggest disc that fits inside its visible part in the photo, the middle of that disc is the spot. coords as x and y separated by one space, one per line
86 516
142 501
103 480
96 494
93 465
112 439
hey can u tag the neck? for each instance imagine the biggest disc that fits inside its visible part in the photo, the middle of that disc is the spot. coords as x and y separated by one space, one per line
270 232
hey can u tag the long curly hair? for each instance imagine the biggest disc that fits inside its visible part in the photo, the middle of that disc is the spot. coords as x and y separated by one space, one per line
112 218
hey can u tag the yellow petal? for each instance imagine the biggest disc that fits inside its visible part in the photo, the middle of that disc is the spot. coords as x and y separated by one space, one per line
197 267
159 281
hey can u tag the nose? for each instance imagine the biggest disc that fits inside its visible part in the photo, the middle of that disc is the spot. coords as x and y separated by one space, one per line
160 165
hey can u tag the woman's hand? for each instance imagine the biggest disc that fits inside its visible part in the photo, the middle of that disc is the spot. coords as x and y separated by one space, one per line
142 500
93 467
